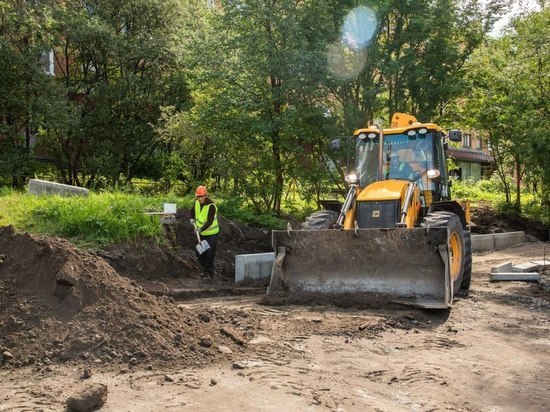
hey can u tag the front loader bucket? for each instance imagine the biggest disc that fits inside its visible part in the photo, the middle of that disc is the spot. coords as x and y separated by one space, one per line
407 265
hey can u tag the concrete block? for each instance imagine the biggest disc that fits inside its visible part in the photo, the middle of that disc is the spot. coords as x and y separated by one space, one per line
504 240
483 243
496 241
170 208
494 277
527 267
43 187
543 263
253 269
502 268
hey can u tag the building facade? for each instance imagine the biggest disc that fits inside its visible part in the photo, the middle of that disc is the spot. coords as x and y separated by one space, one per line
472 157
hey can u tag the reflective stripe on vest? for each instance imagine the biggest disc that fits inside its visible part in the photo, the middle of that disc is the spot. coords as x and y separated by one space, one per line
201 216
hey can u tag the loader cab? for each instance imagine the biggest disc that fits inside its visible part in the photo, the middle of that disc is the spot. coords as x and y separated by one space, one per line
415 153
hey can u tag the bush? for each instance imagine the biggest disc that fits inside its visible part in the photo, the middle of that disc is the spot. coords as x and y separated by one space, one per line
480 191
235 209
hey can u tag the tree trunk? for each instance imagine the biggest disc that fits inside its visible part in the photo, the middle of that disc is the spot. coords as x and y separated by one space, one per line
518 185
276 146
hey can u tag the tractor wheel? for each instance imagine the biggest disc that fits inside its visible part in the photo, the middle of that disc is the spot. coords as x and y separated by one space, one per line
323 219
467 275
456 243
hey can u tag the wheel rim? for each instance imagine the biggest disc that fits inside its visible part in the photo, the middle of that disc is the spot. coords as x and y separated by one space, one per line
455 252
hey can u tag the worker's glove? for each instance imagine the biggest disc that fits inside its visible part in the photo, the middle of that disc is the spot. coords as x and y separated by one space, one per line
192 221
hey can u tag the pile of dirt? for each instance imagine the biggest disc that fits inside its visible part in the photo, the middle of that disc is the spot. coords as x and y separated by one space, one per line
59 303
487 221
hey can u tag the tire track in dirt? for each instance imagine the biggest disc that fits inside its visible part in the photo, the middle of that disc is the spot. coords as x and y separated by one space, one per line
29 399
333 398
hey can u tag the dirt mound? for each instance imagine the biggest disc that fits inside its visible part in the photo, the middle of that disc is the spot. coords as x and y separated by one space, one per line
487 221
59 303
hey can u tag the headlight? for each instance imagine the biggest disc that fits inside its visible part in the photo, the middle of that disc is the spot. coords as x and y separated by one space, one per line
411 133
423 131
351 178
362 136
433 174
372 135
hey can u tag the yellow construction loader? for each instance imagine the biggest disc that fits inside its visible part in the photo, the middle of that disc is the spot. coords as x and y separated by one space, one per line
397 234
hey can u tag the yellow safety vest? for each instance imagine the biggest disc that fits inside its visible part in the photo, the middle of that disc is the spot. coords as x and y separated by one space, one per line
201 216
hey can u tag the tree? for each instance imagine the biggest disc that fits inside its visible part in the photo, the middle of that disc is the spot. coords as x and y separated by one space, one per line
265 103
533 65
415 61
118 62
27 93
509 101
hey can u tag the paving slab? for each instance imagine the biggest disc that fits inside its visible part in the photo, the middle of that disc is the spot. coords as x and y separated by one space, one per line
43 187
543 263
503 268
517 276
527 267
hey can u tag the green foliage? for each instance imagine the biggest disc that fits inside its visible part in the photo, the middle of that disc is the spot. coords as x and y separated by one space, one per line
533 209
26 92
158 96
490 191
236 209
509 102
478 192
95 220
259 98
106 218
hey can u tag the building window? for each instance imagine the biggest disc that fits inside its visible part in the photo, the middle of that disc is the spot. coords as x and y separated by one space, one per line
47 62
467 140
479 143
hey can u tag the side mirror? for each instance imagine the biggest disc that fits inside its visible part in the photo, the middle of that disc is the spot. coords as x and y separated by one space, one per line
455 135
335 144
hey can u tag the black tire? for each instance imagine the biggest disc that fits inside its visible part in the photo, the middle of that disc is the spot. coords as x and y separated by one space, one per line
456 242
467 275
323 219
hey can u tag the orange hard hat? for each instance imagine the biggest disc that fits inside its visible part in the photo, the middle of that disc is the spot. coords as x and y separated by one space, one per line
201 191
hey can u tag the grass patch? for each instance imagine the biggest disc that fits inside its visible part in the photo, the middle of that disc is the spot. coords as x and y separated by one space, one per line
87 221
105 218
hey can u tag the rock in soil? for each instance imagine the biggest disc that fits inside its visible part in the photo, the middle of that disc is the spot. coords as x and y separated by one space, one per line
91 397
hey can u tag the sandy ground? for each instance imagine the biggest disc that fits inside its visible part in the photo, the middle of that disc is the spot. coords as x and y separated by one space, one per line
490 352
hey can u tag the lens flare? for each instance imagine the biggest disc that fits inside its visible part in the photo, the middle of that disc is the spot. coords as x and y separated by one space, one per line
346 63
347 56
359 27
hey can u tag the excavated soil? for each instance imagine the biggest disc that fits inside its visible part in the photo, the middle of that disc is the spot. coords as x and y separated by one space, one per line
60 304
70 319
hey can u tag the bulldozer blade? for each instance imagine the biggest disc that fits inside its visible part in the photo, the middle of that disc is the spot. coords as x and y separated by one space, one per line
409 266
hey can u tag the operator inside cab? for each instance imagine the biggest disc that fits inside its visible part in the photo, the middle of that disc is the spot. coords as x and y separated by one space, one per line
398 169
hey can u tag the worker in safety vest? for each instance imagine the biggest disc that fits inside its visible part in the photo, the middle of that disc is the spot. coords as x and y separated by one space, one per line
204 218
398 169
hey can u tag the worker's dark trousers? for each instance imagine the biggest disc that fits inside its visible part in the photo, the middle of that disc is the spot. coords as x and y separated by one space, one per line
207 258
